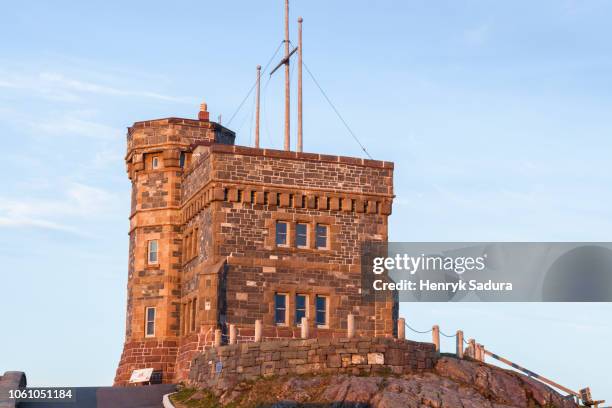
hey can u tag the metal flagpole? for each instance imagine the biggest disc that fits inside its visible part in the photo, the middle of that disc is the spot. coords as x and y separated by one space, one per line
287 73
299 101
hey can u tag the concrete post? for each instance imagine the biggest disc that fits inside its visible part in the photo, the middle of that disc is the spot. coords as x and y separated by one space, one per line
232 334
459 347
350 325
472 348
258 330
304 327
481 352
435 334
217 337
401 328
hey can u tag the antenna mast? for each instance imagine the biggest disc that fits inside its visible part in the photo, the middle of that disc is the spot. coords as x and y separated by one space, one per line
287 112
257 108
299 96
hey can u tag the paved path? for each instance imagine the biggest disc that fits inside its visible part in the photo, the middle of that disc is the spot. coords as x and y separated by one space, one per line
149 396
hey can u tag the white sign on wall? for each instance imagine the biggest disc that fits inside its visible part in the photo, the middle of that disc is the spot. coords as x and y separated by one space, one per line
141 375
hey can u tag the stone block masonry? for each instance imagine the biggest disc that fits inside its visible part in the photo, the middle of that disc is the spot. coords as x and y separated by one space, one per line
204 252
223 367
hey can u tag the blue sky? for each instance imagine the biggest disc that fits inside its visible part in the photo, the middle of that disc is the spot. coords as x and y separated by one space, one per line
496 115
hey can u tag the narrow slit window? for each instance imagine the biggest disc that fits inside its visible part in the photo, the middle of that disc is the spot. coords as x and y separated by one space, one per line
281 233
195 242
321 310
187 316
322 236
280 308
184 320
301 304
150 322
187 246
182 160
193 315
301 235
155 162
152 252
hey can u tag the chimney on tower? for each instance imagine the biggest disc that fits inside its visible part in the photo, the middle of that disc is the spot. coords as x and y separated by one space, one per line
203 114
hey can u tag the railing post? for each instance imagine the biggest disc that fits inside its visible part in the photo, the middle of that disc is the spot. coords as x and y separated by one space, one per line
401 328
482 352
435 334
232 334
350 326
478 350
472 348
217 337
304 327
459 347
258 330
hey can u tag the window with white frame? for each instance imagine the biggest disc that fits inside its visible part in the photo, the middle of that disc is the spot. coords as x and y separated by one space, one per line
321 310
280 308
322 236
152 252
301 235
150 322
301 308
281 233
155 162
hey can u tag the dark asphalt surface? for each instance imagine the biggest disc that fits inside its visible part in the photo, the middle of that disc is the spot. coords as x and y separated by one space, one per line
149 396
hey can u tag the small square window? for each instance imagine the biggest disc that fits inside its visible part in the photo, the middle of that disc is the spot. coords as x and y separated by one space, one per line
301 235
281 233
280 308
321 236
150 322
301 305
152 251
155 162
321 310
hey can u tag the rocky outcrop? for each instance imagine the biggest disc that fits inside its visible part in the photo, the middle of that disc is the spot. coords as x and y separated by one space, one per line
11 380
451 383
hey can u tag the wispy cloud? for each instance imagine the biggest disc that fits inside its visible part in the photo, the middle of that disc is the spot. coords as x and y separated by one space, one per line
36 223
107 157
81 123
71 123
82 86
57 86
478 35
78 201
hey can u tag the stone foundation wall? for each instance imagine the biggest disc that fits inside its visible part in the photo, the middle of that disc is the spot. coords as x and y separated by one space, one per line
224 366
157 354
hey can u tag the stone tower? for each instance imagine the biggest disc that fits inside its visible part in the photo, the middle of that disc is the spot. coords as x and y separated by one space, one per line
223 234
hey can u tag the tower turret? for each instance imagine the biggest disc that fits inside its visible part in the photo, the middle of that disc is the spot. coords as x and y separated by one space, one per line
158 151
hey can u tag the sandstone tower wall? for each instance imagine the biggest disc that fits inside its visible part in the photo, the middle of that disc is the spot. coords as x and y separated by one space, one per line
157 152
213 210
